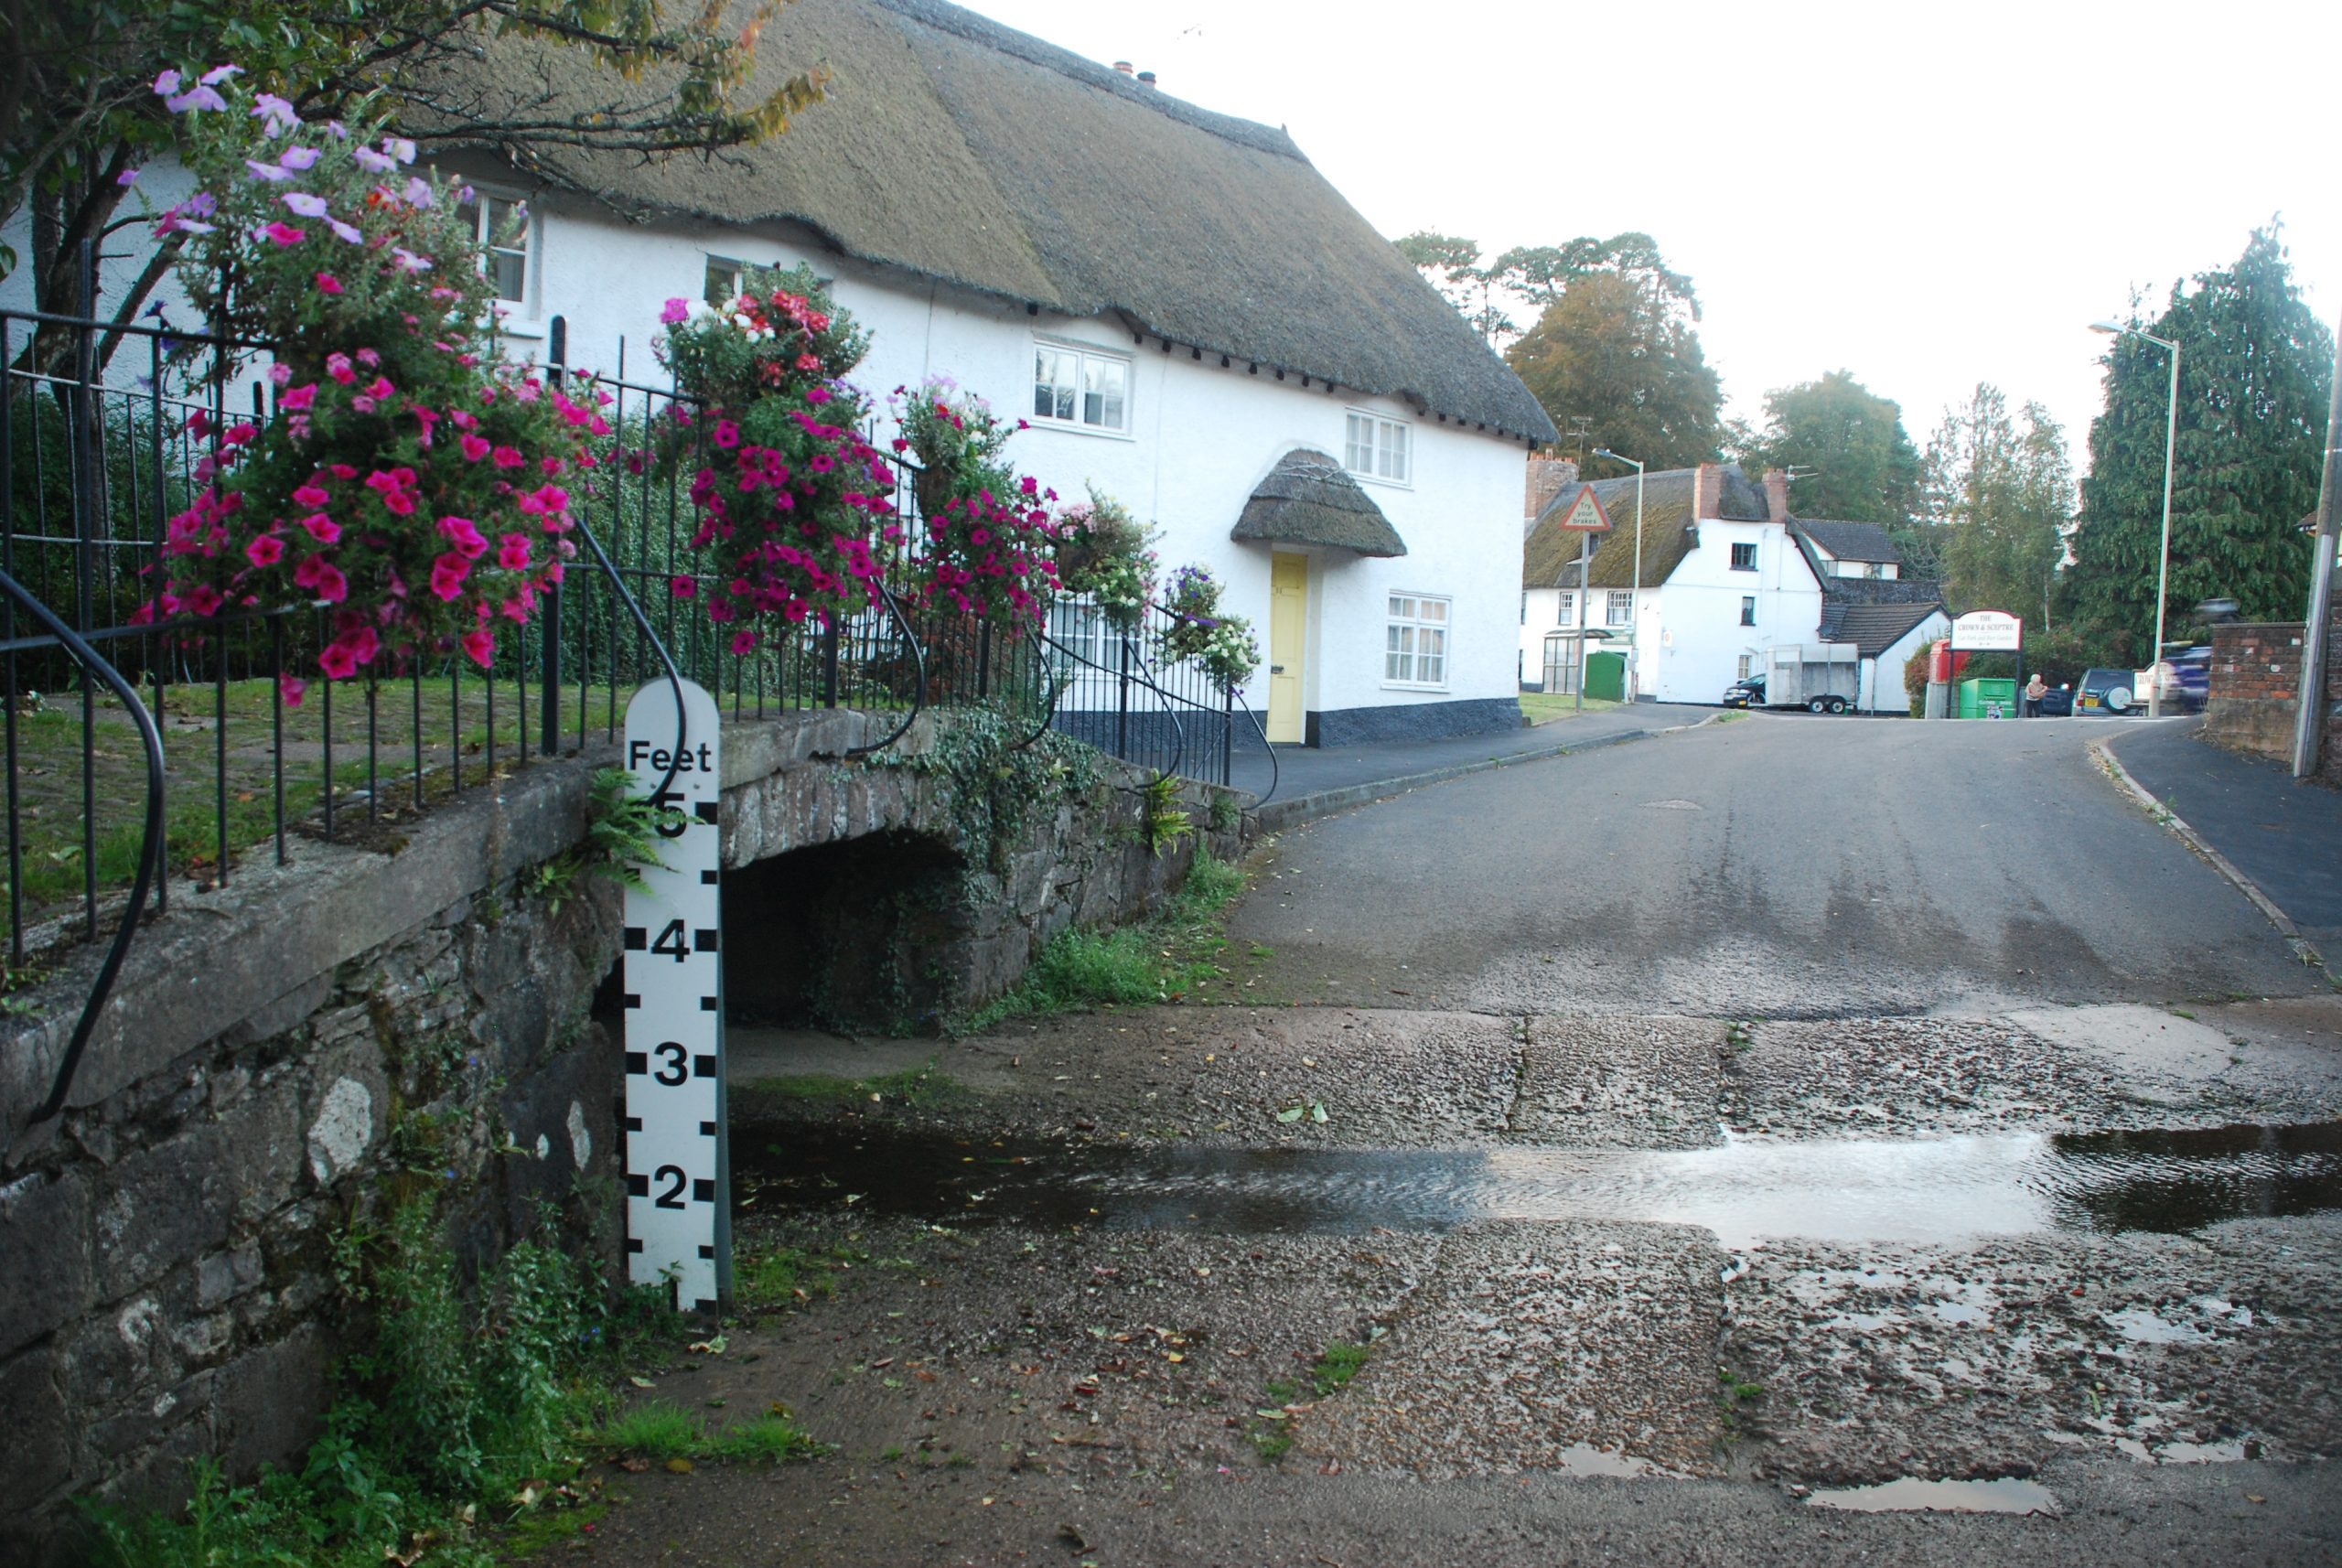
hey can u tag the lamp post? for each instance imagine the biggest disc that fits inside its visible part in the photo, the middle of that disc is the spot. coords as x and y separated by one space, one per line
2163 562
1635 614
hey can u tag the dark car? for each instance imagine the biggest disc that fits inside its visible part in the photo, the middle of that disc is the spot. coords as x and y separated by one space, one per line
1748 694
2057 703
2106 692
2194 671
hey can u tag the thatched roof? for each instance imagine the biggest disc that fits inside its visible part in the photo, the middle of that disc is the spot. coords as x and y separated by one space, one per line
1850 541
1309 498
1549 556
964 151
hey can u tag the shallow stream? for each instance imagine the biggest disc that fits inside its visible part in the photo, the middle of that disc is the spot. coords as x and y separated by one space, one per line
1916 1190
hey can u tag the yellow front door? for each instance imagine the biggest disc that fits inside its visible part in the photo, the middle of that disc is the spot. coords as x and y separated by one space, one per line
1288 637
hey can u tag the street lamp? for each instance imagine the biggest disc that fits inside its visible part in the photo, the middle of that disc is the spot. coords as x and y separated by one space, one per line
2162 563
1635 618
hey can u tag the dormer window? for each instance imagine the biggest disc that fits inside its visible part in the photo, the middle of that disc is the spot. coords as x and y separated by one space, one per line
1081 387
1377 448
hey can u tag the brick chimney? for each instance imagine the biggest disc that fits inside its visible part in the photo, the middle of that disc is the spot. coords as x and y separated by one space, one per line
1548 477
1707 491
1776 494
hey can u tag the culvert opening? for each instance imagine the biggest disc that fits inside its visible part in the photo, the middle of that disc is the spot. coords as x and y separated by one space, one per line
853 935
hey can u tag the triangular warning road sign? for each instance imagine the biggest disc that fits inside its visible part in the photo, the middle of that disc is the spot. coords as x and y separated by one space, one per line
1586 513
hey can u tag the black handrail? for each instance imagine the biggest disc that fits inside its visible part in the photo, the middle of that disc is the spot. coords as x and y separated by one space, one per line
1276 772
150 853
919 675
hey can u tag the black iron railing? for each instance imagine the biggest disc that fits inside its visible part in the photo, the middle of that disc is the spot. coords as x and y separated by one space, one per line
93 462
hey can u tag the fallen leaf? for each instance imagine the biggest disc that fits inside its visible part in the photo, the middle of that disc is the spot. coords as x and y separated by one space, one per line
711 1346
1290 1115
680 1466
634 1467
642 1382
2254 1497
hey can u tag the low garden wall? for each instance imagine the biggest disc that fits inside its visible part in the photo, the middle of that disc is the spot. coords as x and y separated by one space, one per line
2254 692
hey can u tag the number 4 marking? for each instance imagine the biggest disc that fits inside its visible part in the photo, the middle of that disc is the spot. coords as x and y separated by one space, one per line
672 942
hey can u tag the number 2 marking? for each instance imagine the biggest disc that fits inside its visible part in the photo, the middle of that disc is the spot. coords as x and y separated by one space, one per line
673 1197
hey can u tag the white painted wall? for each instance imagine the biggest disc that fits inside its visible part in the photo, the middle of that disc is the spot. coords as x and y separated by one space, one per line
1882 689
1693 638
1202 437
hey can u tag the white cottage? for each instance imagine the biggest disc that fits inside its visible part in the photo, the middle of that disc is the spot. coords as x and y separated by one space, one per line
1192 320
1723 579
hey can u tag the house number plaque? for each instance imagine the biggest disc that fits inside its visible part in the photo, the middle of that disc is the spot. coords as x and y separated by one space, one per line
678 1170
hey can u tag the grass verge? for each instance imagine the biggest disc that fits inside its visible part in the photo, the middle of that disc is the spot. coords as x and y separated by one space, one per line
1543 707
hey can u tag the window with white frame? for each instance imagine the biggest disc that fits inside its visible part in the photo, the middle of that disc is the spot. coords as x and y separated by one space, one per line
1565 614
1747 663
1744 557
1415 645
1081 387
724 281
1376 448
1078 627
1620 609
1748 610
506 232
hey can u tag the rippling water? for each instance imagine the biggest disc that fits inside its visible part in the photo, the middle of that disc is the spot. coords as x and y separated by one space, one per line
1909 1190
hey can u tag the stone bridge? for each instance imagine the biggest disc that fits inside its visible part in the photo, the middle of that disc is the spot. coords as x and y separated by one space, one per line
283 1054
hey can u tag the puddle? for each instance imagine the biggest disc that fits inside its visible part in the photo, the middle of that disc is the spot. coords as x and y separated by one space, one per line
1926 1190
2005 1495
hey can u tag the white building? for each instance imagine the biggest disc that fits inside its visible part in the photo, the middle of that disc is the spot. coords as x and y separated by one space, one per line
1192 320
1726 573
1182 307
1722 580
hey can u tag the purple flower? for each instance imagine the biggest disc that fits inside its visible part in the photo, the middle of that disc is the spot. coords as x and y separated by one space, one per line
408 262
166 84
418 192
400 148
337 130
298 157
269 172
307 206
344 230
126 178
373 161
219 73
277 112
193 99
676 310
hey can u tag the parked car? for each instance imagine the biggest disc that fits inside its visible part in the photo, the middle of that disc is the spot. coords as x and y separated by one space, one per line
2057 703
2105 691
1748 694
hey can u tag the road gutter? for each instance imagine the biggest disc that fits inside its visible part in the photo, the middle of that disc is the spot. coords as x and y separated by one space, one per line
2303 949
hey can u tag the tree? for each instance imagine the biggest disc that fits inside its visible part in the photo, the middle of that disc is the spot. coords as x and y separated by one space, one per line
1615 350
1845 448
1536 276
79 112
2255 372
2001 492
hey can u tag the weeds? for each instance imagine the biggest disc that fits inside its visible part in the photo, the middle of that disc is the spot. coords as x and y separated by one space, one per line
915 1089
1328 1375
623 831
1161 961
659 1431
1167 822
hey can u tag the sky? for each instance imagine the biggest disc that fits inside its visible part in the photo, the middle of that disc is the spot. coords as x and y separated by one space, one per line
1928 197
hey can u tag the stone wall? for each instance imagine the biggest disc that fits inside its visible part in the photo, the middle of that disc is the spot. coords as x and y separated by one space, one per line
284 1055
2255 687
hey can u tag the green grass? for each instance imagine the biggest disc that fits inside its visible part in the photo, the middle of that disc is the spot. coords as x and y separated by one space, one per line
782 1276
1270 1432
1541 707
1335 1368
1163 960
658 1429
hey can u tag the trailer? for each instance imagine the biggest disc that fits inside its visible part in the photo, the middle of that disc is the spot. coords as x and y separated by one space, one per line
1820 677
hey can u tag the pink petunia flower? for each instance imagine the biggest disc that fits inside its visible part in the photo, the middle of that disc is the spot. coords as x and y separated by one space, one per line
676 310
300 398
266 550
338 367
512 553
284 234
322 529
474 447
479 644
509 457
292 688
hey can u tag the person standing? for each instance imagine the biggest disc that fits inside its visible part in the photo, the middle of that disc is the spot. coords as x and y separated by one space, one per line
2035 689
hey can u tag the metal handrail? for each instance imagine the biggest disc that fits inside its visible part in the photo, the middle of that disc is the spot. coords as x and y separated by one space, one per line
150 853
1276 772
919 675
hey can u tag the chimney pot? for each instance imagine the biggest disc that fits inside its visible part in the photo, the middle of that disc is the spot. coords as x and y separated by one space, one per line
1146 78
1123 65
